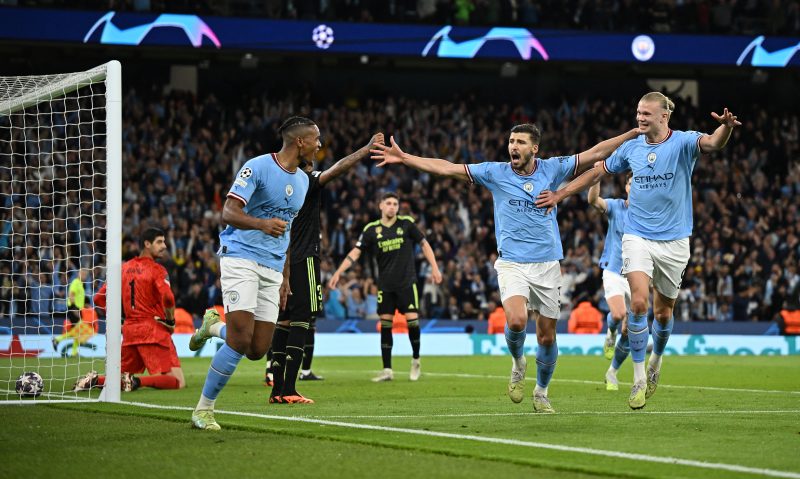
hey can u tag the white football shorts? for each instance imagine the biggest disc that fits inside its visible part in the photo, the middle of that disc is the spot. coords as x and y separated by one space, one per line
616 285
539 283
248 286
663 261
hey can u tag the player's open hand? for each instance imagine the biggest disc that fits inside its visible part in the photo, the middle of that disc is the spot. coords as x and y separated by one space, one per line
285 291
727 118
387 154
548 199
274 227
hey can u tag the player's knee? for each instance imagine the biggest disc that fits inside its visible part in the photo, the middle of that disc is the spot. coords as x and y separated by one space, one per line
639 305
255 355
663 315
516 321
545 338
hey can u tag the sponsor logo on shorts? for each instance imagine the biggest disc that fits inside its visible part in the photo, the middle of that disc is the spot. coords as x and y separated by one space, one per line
233 297
245 173
625 263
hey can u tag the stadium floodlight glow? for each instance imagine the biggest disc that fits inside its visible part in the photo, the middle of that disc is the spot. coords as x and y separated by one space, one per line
643 48
522 38
194 27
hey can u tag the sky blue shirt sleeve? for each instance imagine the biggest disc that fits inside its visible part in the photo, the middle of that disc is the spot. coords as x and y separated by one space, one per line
246 182
565 168
480 173
691 144
618 161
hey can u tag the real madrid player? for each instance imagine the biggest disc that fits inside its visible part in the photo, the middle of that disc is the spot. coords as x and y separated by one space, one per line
266 195
391 240
655 245
528 241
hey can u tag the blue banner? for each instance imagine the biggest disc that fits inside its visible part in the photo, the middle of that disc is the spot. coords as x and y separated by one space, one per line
429 41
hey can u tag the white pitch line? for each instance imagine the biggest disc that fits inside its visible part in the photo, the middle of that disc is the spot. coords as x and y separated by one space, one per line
573 413
584 381
497 440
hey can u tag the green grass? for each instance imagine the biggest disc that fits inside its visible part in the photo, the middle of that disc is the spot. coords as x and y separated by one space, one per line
463 398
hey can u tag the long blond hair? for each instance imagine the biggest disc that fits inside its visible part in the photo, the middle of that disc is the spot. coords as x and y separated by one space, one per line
662 100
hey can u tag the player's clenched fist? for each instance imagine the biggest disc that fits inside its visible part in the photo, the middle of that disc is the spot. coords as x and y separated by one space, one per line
274 226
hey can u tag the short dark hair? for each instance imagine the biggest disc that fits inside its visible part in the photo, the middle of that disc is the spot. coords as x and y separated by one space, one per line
289 127
389 194
150 235
531 130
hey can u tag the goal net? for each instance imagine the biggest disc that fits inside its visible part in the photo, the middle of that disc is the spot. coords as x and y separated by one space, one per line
60 223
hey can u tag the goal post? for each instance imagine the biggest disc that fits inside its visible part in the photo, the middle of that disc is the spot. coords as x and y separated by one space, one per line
60 233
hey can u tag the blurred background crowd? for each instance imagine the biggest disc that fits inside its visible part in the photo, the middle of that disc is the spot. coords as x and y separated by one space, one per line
181 152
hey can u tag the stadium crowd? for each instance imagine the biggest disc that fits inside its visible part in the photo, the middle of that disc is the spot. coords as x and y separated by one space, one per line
767 17
181 151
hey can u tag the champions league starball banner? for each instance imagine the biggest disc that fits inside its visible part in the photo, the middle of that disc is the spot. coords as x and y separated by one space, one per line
134 30
435 344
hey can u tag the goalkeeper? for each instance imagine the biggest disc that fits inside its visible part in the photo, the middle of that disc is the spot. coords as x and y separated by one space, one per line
148 306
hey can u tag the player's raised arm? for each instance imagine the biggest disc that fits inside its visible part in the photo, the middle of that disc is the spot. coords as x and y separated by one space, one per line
549 199
595 200
346 164
603 150
348 261
717 140
388 155
234 215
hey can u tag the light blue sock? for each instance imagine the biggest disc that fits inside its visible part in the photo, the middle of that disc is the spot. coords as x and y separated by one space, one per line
621 352
222 367
223 332
637 336
546 357
516 342
613 324
661 334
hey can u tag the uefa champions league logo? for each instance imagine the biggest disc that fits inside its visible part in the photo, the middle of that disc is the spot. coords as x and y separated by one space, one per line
246 173
192 25
522 38
322 36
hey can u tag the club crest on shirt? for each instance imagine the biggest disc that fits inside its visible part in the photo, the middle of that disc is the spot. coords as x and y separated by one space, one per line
528 187
289 190
233 297
651 158
399 231
246 173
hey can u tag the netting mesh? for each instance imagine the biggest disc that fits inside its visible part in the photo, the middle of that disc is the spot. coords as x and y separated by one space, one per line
52 231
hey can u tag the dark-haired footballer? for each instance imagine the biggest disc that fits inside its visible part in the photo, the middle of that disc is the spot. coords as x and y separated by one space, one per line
528 241
391 240
265 197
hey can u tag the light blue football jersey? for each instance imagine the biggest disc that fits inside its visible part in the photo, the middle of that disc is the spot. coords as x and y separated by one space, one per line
268 191
660 201
525 234
617 212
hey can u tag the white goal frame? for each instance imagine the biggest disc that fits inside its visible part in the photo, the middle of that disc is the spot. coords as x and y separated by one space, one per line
111 72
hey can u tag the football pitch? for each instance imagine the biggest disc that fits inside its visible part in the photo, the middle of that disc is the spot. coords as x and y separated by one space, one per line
712 417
